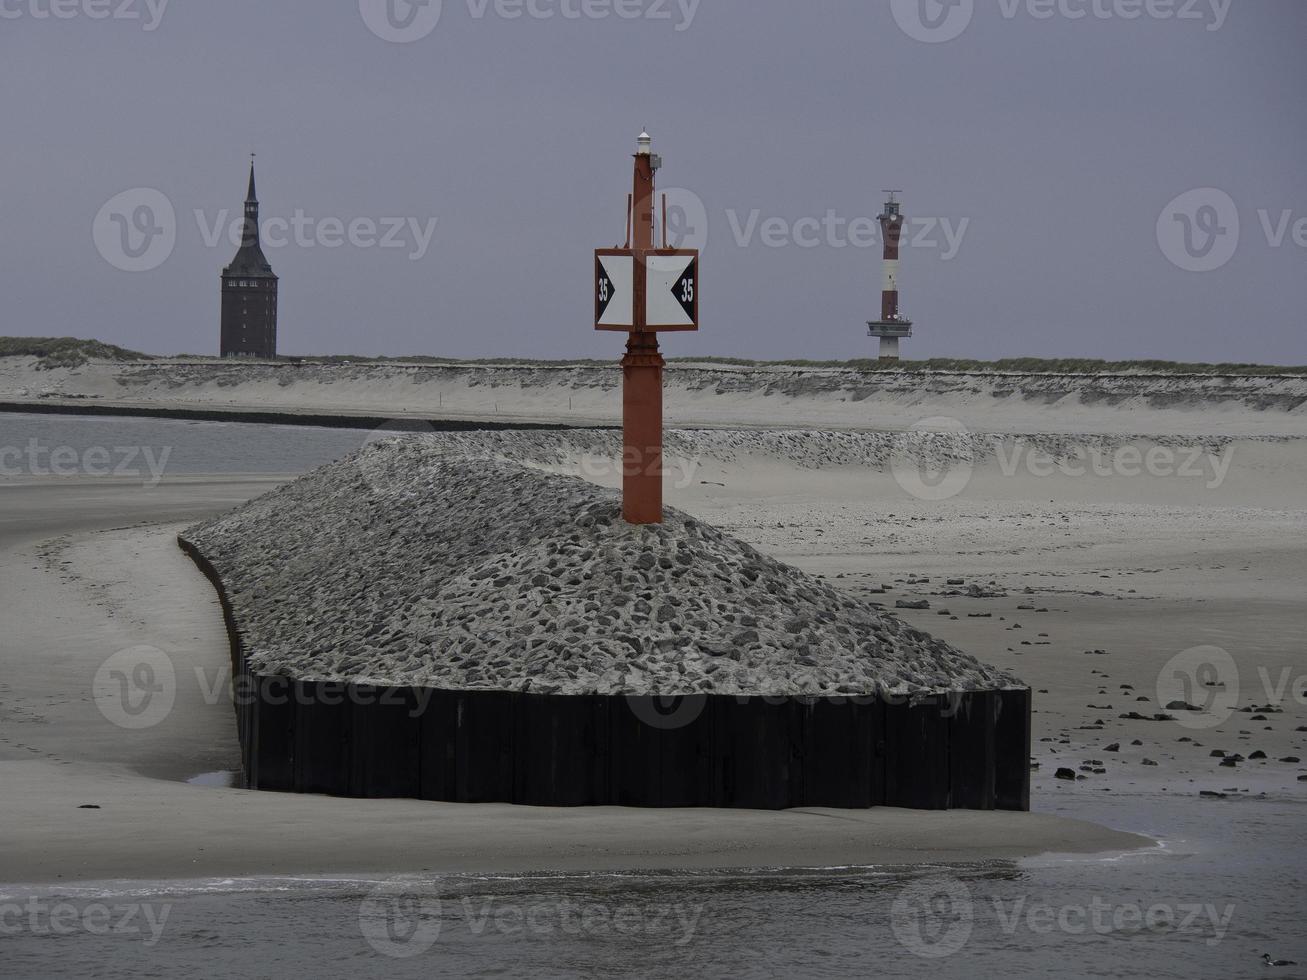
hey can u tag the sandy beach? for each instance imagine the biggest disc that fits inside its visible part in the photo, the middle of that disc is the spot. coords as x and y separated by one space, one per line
696 394
119 587
1088 586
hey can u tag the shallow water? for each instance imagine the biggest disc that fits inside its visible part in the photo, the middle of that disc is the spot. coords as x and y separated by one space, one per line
221 779
144 449
1225 885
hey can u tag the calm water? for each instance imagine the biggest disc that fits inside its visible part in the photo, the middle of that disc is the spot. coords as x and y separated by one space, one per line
1227 885
144 448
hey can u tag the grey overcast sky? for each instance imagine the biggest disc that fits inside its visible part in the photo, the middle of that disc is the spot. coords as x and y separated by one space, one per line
1041 152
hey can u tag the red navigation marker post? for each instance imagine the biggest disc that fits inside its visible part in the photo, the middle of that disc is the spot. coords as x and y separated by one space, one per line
643 290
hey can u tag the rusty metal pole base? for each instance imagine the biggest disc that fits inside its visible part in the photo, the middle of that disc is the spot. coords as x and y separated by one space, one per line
642 424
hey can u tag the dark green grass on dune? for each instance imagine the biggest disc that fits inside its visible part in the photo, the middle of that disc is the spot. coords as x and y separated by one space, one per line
73 352
1016 365
65 352
1019 365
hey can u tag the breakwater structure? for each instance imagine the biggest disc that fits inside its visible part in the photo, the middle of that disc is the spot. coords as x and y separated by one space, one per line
416 621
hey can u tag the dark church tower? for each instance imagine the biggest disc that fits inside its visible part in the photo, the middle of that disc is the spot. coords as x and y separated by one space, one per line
249 293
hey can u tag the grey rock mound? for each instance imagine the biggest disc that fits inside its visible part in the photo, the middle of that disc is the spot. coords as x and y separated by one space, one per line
411 564
591 452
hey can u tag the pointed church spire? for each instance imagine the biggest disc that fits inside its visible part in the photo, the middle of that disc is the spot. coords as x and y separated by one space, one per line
250 233
250 260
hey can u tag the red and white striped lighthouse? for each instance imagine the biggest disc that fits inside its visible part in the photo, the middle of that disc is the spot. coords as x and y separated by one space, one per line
891 326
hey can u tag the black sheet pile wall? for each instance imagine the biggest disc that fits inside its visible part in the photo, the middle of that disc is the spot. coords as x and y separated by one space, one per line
956 751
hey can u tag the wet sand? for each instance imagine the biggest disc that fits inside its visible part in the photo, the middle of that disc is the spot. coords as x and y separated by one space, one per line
1141 568
80 597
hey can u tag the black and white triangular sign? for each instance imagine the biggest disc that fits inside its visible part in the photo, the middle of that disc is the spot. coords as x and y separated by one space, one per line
684 289
605 292
672 290
614 288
